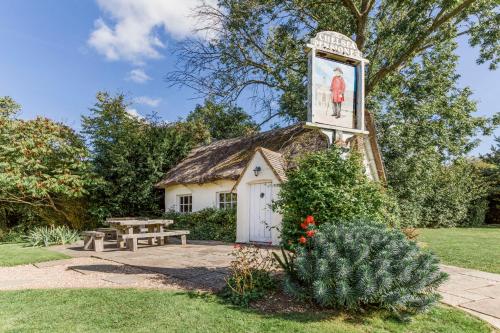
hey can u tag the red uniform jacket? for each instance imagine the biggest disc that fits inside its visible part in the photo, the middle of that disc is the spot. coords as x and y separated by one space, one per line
337 88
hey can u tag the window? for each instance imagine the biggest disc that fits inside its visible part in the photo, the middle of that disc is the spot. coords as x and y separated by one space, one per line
226 200
185 203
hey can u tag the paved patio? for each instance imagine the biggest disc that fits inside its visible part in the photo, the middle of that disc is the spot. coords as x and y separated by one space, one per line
473 291
198 265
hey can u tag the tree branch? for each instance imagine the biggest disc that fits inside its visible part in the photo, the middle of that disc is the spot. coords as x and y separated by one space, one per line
441 18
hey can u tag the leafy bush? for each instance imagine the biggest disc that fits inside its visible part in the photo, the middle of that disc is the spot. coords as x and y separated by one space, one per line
207 224
363 264
251 275
11 236
331 188
46 236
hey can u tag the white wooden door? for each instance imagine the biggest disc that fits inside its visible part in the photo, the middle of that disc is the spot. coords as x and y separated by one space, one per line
260 212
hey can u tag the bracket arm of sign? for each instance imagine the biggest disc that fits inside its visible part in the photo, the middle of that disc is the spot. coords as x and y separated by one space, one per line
336 86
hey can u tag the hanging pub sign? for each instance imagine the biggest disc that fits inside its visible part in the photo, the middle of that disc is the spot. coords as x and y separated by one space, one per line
336 83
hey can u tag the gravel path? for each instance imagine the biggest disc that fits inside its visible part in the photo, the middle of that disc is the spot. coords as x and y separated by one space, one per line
81 273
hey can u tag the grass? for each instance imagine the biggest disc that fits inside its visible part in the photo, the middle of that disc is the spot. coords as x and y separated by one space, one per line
20 254
476 248
132 310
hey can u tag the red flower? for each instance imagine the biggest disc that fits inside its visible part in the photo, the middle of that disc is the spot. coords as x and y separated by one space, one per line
302 240
309 219
310 233
304 225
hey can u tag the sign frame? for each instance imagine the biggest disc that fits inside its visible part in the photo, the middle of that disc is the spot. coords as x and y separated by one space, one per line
337 47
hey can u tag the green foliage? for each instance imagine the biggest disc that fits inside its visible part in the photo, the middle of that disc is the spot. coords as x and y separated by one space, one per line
44 169
11 236
131 155
330 188
492 174
207 224
251 275
361 264
223 122
426 127
47 236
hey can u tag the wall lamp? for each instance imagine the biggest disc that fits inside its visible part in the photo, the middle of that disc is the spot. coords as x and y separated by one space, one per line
257 170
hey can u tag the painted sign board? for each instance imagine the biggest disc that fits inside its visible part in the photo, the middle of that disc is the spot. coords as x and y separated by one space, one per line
336 83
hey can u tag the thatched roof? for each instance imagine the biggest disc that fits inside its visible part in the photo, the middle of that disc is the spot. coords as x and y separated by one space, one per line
226 159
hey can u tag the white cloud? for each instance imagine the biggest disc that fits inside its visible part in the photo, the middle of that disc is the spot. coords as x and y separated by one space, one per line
145 100
138 75
133 34
133 113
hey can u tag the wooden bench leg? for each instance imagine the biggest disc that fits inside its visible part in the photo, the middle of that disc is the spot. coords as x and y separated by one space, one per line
119 242
160 240
151 240
87 243
183 240
132 244
165 240
98 244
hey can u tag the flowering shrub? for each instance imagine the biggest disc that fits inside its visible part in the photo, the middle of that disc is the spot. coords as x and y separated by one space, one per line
251 275
362 263
332 189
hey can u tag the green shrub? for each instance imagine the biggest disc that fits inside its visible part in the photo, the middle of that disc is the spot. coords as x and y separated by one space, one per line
251 275
331 188
207 224
46 236
364 264
11 236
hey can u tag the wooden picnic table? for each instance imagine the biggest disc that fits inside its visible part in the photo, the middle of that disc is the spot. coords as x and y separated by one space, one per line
130 229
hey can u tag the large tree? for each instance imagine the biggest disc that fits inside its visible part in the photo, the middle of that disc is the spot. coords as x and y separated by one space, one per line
258 45
223 121
426 123
44 169
132 154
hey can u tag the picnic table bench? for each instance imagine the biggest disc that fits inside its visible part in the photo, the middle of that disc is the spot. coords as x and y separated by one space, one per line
129 230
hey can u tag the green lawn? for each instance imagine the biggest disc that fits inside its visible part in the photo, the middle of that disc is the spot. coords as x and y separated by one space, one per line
477 248
132 310
19 254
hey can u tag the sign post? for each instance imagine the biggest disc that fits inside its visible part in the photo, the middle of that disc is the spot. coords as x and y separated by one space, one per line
336 86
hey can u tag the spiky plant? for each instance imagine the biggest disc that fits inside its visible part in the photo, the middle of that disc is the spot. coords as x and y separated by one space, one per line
363 264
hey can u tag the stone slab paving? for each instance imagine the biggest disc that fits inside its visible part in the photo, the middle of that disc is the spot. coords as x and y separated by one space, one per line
473 291
199 265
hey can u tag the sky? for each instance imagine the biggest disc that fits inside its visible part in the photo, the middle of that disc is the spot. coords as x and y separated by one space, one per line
56 54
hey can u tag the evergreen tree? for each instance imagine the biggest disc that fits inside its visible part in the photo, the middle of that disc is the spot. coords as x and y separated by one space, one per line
223 122
132 155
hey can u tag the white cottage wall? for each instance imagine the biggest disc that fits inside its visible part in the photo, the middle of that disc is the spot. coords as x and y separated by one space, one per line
204 195
243 189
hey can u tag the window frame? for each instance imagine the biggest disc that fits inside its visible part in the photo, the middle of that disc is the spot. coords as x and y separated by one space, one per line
185 207
227 204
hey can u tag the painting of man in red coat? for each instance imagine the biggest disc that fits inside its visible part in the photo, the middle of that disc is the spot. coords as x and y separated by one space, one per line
333 93
337 88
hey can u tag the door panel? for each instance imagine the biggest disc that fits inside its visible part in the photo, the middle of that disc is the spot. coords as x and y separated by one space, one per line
260 212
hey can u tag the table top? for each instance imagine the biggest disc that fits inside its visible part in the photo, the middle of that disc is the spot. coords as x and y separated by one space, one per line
137 222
